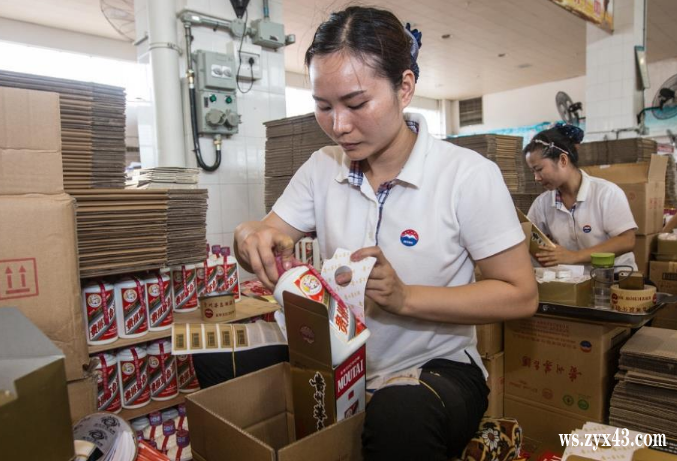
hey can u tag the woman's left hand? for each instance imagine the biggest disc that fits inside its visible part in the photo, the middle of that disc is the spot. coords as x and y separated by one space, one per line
384 287
549 256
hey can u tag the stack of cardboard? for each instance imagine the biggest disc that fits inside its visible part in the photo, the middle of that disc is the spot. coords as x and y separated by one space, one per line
505 151
559 374
617 151
38 242
646 396
186 226
644 186
121 230
490 347
524 201
664 275
163 178
92 128
290 142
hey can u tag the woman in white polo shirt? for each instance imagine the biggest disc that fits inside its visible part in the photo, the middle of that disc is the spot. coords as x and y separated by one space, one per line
582 214
427 210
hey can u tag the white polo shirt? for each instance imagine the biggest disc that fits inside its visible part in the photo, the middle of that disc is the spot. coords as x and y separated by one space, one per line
601 211
447 207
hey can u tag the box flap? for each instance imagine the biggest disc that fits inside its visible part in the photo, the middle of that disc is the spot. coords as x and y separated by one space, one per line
632 173
23 348
30 142
307 331
265 393
658 167
29 120
340 441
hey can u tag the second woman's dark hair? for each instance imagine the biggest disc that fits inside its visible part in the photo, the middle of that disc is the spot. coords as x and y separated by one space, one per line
555 142
374 35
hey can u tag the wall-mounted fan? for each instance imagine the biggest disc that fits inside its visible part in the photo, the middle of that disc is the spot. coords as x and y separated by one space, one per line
120 15
672 137
664 105
568 110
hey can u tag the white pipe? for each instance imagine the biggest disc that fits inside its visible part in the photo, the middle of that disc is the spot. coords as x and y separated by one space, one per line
164 63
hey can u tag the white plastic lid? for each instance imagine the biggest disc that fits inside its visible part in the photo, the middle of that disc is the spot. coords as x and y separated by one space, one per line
154 347
95 286
140 424
109 358
126 354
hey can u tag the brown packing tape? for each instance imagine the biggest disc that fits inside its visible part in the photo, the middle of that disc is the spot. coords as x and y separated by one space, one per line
632 301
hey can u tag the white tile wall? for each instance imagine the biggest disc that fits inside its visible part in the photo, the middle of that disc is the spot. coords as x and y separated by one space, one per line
236 188
611 96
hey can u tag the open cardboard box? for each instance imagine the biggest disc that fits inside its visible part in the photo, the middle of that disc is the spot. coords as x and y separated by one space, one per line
563 364
33 396
252 418
644 186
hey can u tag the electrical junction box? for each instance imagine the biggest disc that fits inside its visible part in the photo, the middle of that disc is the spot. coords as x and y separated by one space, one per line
267 33
247 71
216 98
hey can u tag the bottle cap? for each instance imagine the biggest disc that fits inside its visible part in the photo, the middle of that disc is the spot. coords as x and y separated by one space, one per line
602 259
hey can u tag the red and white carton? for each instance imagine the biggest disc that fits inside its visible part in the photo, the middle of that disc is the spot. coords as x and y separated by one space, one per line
323 394
162 371
108 384
159 300
186 372
133 372
98 302
184 287
131 310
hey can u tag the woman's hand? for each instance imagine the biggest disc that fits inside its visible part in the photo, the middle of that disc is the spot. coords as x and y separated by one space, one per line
552 256
384 287
257 244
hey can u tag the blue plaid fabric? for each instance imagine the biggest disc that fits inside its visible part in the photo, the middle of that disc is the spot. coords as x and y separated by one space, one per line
356 177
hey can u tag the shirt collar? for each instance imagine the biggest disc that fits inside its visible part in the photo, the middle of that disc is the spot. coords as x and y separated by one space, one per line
582 195
413 169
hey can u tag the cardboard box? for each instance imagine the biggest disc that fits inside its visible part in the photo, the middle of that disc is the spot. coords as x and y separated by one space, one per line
563 364
666 317
494 366
489 338
645 245
666 246
569 294
664 275
30 142
322 393
542 422
39 267
535 236
252 418
644 185
34 401
82 397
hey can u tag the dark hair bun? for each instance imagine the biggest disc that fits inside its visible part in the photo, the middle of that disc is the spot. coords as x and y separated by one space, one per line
574 133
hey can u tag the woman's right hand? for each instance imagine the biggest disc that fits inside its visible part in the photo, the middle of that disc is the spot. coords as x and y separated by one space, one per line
257 244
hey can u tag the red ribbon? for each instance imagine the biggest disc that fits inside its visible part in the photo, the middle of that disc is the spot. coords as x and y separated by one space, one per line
106 318
136 366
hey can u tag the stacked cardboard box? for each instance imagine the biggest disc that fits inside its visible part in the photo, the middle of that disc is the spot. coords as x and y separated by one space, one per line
644 186
92 128
290 142
505 151
646 396
558 374
616 151
490 347
38 247
664 275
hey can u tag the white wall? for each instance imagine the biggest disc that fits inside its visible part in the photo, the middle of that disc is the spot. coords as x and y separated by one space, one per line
536 104
525 106
236 188
59 39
